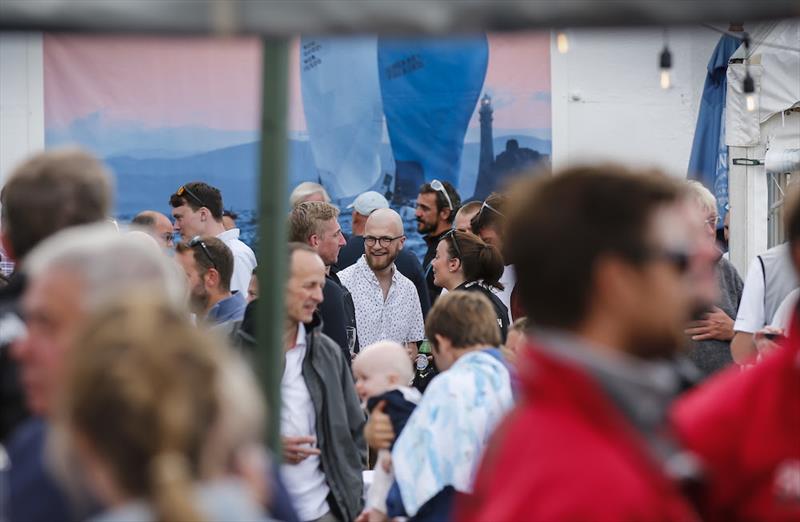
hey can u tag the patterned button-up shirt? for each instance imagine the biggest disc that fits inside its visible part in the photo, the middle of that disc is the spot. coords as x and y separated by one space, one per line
398 318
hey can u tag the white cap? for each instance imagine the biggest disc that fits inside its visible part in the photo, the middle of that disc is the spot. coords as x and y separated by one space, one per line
368 202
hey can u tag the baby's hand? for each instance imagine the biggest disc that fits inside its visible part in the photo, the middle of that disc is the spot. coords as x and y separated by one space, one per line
387 463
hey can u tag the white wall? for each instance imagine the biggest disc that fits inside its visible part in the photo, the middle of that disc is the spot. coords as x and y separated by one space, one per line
607 103
21 98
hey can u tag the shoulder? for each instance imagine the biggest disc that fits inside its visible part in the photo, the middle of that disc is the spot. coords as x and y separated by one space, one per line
325 349
591 480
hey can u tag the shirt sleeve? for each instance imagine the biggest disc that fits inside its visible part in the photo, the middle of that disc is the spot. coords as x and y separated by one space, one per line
750 317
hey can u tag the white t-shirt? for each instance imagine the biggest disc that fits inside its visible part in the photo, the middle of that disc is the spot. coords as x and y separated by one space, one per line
783 315
244 260
750 317
305 481
508 280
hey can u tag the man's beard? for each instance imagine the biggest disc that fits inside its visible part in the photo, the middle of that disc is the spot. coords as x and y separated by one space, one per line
379 263
425 228
198 299
648 344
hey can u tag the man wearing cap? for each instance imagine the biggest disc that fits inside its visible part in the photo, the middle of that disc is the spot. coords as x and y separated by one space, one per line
406 262
437 204
197 211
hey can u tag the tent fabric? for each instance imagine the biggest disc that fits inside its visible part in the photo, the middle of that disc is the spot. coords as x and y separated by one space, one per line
708 162
779 88
743 128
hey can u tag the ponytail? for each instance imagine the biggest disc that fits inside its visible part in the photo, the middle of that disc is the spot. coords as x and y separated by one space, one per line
172 493
479 260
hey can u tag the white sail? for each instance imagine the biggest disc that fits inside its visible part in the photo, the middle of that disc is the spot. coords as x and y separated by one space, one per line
344 113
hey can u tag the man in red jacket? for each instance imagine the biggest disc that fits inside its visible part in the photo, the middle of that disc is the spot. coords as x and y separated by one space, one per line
612 265
745 427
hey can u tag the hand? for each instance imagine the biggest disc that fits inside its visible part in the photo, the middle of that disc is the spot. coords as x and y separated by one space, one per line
387 463
378 431
413 350
298 449
764 345
716 325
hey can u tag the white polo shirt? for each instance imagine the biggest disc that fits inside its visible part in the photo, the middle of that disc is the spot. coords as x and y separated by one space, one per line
244 260
398 318
305 481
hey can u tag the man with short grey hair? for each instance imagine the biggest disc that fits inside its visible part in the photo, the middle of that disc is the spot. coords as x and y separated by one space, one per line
71 275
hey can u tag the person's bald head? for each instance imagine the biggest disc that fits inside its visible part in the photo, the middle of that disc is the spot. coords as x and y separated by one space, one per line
384 220
383 238
157 225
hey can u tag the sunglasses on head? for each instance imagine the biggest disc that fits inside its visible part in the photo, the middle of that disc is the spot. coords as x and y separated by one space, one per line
195 241
437 186
183 189
452 234
487 205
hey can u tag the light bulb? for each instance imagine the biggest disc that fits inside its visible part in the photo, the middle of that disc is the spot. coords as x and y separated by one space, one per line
750 102
665 64
562 42
666 79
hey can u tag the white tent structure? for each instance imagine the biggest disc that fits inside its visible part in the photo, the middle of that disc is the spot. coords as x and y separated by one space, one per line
763 144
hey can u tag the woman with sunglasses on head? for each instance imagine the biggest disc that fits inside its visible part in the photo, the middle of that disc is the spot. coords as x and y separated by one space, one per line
464 262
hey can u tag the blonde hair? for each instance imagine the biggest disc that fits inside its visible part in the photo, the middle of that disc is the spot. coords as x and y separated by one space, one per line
150 395
385 357
306 189
702 196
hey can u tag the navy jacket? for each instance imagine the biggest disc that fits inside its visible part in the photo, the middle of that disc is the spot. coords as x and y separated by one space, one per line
35 496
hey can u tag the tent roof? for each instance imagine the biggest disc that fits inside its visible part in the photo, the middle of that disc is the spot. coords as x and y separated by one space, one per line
779 84
290 17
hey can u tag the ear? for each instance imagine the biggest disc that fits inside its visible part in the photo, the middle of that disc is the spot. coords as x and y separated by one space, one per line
445 213
6 243
211 279
401 243
441 344
203 213
313 240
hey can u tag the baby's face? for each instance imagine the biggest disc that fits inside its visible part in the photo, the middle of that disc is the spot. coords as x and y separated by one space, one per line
370 384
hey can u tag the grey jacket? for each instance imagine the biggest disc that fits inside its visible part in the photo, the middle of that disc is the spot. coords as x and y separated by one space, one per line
340 420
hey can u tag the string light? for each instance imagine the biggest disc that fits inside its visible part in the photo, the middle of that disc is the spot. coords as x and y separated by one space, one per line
665 65
748 84
562 42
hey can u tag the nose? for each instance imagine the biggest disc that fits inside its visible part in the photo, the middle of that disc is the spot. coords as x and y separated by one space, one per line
342 241
418 212
317 295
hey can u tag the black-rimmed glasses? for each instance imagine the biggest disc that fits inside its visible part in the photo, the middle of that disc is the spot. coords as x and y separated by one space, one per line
382 241
452 234
183 189
439 187
195 241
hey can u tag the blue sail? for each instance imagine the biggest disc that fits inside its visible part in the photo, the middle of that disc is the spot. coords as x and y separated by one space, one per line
344 112
430 89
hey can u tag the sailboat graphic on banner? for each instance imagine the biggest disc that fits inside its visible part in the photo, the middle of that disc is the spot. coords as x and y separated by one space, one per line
344 112
429 89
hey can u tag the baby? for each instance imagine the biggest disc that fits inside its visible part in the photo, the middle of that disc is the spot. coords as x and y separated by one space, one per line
383 374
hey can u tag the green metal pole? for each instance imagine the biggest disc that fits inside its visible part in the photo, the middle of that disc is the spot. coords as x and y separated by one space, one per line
272 233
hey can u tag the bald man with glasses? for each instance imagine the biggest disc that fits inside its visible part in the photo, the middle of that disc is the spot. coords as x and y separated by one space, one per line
386 302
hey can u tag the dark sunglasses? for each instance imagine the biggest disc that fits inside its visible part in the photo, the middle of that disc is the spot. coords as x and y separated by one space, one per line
183 189
195 241
452 234
679 260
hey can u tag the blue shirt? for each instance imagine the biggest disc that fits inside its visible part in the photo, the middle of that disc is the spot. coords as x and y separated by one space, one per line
229 309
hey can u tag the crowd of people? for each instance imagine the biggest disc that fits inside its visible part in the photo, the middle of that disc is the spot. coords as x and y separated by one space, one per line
576 347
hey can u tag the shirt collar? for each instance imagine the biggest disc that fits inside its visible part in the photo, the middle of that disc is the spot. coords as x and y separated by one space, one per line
229 235
300 341
642 389
228 307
